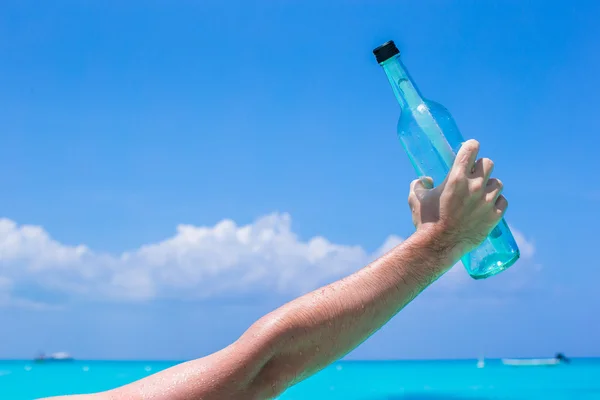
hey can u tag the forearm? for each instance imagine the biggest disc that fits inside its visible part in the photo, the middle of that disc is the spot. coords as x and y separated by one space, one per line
303 336
320 327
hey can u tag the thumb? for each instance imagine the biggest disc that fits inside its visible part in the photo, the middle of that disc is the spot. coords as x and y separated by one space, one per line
421 185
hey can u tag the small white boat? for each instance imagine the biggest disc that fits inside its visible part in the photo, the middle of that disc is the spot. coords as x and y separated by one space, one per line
61 356
481 363
536 362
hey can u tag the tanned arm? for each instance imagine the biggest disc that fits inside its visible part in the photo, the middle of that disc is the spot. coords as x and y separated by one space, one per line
304 336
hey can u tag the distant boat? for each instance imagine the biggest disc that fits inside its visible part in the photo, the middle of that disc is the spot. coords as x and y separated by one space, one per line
536 362
54 357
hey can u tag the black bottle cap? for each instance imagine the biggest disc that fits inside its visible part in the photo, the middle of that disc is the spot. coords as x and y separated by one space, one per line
386 51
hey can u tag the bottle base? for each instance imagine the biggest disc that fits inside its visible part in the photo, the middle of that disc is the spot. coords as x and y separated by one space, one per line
496 270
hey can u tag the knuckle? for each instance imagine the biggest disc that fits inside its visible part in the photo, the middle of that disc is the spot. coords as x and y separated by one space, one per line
455 177
492 197
477 185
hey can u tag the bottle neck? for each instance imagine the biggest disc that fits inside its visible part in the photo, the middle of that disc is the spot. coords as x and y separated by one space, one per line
405 90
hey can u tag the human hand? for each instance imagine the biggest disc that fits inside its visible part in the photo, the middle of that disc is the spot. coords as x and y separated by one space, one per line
461 211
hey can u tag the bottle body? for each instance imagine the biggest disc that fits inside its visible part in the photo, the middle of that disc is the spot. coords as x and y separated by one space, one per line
499 250
431 140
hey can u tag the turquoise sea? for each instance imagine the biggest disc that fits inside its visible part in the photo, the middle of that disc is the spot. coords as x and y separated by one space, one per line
364 380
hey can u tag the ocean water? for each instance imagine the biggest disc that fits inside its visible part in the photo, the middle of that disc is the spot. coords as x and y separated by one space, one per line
368 380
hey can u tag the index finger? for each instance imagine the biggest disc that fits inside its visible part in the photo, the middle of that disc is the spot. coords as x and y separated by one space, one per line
467 155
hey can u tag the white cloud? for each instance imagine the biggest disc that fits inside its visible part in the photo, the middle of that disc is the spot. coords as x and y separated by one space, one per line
197 262
526 247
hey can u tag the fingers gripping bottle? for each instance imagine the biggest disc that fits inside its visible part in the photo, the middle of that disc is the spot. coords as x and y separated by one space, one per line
431 139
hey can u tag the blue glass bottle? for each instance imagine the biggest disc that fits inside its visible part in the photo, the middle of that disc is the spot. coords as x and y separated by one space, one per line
431 139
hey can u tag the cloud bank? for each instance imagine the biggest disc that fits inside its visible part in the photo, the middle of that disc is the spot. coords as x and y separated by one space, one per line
197 262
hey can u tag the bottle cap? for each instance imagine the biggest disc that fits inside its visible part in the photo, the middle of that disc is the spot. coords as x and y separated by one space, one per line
386 51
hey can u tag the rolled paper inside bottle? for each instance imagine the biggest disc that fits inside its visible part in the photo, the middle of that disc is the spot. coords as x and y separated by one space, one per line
430 127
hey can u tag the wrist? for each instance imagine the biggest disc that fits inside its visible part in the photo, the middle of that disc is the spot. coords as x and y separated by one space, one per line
437 244
420 260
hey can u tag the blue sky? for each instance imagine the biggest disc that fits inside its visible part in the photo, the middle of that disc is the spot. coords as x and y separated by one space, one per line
171 172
